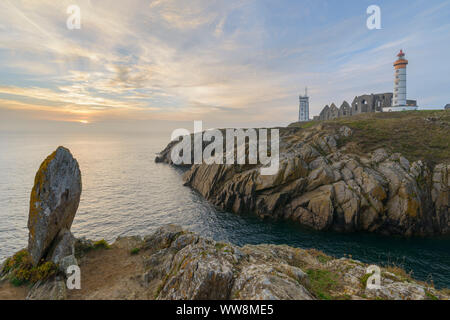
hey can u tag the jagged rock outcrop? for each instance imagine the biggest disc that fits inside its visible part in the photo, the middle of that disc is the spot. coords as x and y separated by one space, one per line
182 265
175 264
53 204
324 186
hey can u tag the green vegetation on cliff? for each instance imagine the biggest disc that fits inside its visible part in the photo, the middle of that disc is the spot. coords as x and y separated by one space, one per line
20 270
418 135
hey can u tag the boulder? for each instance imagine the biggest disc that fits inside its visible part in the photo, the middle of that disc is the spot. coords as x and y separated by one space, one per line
345 131
264 282
63 251
64 246
398 291
379 155
200 276
54 201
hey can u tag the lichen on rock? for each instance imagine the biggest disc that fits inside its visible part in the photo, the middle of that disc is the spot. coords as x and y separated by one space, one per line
53 202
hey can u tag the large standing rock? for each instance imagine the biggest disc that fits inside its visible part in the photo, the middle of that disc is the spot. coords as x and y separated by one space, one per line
54 201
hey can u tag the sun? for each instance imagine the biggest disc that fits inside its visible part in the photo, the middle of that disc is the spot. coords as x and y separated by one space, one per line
84 121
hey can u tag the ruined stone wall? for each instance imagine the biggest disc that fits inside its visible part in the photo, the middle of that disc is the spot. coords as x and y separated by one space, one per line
361 104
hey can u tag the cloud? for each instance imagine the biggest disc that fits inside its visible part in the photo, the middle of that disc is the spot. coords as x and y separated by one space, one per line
235 60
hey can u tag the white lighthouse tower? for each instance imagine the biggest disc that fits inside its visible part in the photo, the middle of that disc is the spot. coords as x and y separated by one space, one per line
399 102
303 111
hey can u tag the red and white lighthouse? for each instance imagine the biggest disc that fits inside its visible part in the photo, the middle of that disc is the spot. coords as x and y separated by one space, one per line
399 101
399 98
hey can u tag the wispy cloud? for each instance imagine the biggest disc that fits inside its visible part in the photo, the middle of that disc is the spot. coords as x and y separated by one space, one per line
236 60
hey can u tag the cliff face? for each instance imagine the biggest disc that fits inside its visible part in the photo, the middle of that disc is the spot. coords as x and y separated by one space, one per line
323 184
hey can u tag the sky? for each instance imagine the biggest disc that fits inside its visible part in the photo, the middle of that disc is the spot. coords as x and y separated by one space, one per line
229 63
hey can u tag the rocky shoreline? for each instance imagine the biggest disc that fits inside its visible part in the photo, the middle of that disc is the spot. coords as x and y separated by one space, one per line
174 264
322 183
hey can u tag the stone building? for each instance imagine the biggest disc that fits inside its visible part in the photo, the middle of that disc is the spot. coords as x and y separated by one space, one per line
334 111
345 110
361 104
324 114
371 103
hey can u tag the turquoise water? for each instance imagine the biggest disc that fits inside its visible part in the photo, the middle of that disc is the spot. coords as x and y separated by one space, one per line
126 193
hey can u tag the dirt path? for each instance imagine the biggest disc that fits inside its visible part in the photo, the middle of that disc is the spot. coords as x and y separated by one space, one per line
10 292
110 274
105 274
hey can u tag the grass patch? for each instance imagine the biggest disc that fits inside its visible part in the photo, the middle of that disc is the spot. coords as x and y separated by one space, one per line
82 247
223 246
322 283
430 296
364 279
306 125
21 270
135 251
320 256
417 135
101 244
220 245
400 272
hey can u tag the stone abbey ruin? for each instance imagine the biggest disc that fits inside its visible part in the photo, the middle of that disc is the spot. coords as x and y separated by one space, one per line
361 104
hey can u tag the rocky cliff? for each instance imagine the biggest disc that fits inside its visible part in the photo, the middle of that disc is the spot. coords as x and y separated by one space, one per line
326 181
174 264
